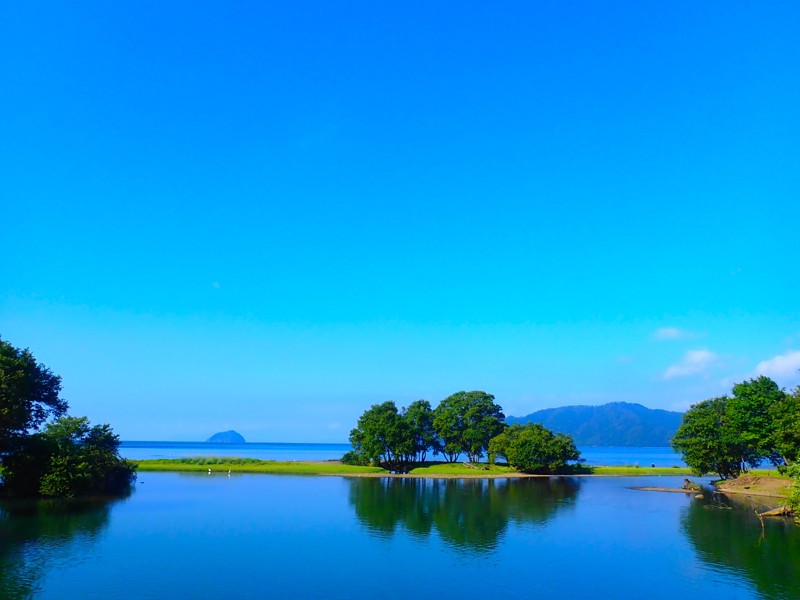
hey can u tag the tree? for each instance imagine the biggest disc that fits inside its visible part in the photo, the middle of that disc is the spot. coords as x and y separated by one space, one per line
29 395
708 443
729 434
785 430
382 435
67 457
749 412
533 448
465 422
419 417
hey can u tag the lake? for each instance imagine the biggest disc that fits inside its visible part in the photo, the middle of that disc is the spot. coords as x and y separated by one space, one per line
594 455
263 536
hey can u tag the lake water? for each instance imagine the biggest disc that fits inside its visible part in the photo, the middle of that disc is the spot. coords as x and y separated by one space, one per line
594 455
262 536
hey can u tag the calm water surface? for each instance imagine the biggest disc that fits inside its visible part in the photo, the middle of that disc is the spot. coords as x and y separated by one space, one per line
594 455
261 536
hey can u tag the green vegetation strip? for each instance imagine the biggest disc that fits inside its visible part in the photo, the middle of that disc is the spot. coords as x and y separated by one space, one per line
634 471
251 465
459 469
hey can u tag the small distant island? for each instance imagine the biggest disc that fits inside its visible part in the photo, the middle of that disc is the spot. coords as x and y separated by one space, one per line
227 437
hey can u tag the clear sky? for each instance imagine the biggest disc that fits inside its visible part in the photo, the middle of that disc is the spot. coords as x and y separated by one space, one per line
267 216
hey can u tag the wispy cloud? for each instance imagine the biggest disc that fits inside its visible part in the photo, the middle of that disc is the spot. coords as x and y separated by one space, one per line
673 333
784 367
694 362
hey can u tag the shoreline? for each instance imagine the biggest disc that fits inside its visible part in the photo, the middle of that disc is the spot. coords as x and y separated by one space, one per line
221 465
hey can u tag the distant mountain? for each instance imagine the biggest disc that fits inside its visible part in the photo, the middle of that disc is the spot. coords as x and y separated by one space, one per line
614 424
226 437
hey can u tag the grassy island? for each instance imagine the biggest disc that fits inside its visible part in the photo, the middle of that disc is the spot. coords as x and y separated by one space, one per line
218 465
252 465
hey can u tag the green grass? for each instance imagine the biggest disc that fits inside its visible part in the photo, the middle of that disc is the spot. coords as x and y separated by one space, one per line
252 465
768 473
222 464
458 469
636 471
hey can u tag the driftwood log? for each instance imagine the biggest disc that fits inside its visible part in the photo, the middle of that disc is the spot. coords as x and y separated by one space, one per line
781 511
474 466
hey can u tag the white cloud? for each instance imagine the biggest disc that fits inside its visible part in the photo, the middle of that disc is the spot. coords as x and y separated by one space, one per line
672 333
783 367
215 285
694 362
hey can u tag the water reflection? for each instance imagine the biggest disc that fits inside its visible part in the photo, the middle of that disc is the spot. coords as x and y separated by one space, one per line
732 540
35 535
468 514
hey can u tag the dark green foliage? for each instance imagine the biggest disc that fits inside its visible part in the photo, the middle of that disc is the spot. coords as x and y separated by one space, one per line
730 434
465 422
533 448
352 457
384 437
29 395
785 434
462 424
613 424
794 491
709 445
419 417
68 459
748 414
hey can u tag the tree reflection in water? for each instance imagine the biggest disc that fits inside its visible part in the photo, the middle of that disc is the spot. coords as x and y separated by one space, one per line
468 514
733 541
36 534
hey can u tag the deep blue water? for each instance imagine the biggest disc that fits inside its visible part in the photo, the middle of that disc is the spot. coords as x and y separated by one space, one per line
262 536
594 455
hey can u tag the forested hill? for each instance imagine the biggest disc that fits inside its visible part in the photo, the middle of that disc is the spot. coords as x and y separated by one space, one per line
614 424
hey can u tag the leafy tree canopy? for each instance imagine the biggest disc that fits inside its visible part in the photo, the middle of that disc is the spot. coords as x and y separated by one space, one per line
68 457
731 434
465 422
382 435
533 448
419 417
29 394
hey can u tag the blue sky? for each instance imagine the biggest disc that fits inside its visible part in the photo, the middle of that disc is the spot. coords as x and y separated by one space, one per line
267 217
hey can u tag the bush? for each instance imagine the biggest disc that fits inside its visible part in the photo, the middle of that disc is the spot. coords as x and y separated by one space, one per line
794 490
68 459
354 458
534 449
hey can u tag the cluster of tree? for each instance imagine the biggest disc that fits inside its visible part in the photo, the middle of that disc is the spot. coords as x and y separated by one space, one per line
730 434
465 423
43 451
